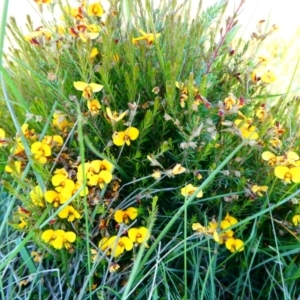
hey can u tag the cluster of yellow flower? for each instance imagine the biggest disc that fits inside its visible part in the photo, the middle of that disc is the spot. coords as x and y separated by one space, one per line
59 238
41 150
82 29
225 236
116 245
287 166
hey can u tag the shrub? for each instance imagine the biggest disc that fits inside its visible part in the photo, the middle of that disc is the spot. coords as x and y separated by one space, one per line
142 158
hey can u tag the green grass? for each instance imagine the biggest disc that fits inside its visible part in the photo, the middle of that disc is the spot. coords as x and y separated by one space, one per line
175 85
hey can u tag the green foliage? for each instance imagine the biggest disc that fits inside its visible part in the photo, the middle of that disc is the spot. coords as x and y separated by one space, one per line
143 126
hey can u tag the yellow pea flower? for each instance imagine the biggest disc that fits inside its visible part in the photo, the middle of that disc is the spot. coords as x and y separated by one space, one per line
28 133
296 220
256 189
148 37
95 10
122 137
114 267
98 165
115 117
60 121
231 220
104 177
69 213
234 245
189 190
41 151
103 244
53 141
37 196
117 245
87 88
58 238
247 130
94 106
22 223
229 102
287 174
178 169
139 235
14 167
43 1
55 198
268 77
124 216
94 52
2 138
269 157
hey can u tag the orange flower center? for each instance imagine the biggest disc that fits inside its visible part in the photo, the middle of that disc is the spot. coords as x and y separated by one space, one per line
287 176
88 91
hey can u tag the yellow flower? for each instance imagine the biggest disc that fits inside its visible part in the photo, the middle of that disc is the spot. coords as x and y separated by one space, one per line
85 36
41 151
22 223
156 174
117 245
104 177
178 169
95 10
114 267
29 134
69 212
148 37
101 165
60 121
103 244
14 168
296 220
261 113
55 198
275 142
189 190
39 36
288 174
254 76
269 157
94 255
259 189
139 235
268 77
94 53
199 228
78 185
229 102
94 106
37 197
53 141
2 138
63 185
231 220
247 130
122 137
58 238
234 245
37 256
124 216
87 88
291 158
115 117
18 148
43 1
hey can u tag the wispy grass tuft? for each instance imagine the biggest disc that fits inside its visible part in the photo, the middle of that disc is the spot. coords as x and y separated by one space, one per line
146 154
